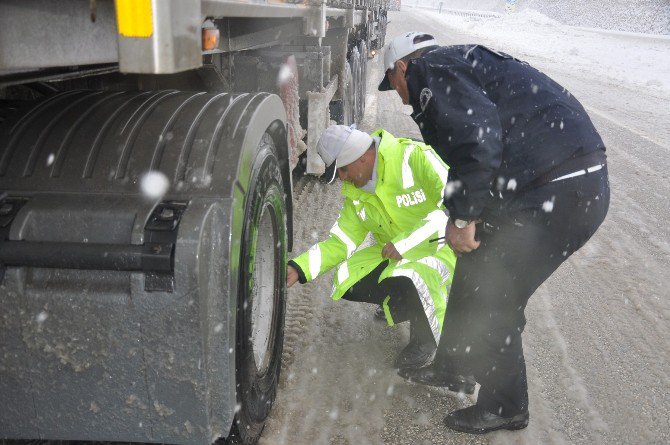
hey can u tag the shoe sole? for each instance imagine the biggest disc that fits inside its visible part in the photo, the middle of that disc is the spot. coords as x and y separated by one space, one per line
465 388
418 365
512 427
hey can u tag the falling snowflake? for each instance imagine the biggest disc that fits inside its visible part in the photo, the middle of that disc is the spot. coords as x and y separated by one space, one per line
285 75
51 159
154 184
451 188
548 206
511 184
41 317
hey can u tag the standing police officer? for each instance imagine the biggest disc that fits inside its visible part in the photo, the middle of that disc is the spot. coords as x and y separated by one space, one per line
527 188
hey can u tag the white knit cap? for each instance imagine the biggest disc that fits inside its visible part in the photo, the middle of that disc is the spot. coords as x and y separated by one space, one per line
342 144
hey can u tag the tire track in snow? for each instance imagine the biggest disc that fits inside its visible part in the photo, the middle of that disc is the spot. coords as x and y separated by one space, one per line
576 389
621 124
313 204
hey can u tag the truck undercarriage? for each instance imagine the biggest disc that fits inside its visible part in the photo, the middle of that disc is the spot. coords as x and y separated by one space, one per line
146 159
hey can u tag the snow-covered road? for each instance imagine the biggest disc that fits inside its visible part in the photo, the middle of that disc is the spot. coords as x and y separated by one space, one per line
597 341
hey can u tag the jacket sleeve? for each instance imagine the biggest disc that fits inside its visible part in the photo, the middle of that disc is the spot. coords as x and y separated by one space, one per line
343 240
463 126
429 173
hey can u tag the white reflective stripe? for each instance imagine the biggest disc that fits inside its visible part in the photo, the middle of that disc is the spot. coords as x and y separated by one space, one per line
436 221
595 168
407 176
442 172
342 273
442 225
437 265
361 214
439 167
314 261
424 296
338 232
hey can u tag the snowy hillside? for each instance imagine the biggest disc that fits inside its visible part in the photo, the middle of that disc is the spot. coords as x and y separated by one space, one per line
644 16
634 60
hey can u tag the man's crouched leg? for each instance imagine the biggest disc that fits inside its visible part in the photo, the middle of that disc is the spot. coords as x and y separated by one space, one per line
421 348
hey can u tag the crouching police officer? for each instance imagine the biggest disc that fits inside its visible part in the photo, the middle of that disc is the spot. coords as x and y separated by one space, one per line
394 189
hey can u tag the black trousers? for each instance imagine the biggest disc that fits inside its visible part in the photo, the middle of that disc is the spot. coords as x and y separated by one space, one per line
519 251
404 303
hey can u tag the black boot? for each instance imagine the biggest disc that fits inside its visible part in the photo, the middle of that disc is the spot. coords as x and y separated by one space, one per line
434 376
476 420
421 348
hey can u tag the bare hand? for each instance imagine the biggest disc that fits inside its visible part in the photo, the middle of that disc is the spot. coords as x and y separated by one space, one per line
462 240
291 276
389 251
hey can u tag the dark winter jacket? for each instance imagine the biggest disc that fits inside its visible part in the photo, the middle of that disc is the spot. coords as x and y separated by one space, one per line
501 125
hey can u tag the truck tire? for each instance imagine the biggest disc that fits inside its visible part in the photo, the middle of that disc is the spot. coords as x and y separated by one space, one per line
342 111
261 299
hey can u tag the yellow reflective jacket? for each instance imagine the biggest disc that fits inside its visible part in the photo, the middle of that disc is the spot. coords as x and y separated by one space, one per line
405 209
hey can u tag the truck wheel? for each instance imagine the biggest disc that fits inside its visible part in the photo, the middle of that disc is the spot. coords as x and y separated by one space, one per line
342 111
261 301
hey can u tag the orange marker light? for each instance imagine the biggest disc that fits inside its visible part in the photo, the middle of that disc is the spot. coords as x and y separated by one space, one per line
210 39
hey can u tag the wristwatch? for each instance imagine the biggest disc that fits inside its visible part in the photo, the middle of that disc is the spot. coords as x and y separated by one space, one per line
461 223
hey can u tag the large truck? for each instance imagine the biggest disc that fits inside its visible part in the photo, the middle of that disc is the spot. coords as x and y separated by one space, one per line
147 149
